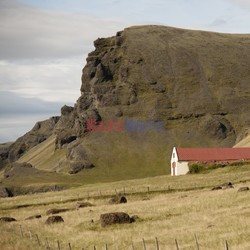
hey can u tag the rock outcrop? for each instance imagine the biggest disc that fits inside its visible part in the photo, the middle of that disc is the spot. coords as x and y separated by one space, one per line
115 218
5 192
39 133
54 219
195 82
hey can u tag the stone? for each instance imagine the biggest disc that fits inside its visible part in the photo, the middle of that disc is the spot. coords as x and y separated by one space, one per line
134 218
242 189
57 211
5 192
118 199
76 167
83 204
38 216
7 219
114 218
217 188
54 219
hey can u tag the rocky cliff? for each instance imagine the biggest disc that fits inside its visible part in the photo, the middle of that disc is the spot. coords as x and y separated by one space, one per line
197 83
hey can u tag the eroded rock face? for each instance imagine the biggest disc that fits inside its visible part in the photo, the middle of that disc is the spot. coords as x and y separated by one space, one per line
180 77
40 132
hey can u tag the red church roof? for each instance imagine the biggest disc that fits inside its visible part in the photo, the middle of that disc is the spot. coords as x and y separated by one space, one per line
213 154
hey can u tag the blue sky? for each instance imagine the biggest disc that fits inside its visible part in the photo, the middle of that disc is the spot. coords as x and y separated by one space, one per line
44 44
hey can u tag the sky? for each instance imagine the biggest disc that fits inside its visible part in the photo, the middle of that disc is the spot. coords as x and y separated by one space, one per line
44 45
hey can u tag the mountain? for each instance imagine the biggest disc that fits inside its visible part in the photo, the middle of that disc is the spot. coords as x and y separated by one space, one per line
181 88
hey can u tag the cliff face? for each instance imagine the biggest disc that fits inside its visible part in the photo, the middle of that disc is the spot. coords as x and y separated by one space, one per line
197 83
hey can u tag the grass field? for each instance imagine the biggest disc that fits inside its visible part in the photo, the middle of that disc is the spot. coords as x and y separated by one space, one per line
174 208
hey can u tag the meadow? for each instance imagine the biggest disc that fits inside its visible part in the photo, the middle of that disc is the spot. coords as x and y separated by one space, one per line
169 208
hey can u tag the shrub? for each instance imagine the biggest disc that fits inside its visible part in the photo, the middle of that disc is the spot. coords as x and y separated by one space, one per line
195 168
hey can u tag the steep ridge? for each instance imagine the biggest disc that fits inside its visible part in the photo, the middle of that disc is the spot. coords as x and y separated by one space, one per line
196 83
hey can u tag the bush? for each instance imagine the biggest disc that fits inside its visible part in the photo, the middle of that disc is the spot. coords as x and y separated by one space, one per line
195 168
240 163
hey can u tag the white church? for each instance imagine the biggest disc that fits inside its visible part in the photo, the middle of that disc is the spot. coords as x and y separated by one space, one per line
181 157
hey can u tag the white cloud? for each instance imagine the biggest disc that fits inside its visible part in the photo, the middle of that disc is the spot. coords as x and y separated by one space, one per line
218 22
52 81
27 32
242 3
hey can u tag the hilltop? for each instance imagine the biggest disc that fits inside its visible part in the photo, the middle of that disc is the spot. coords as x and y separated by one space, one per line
195 82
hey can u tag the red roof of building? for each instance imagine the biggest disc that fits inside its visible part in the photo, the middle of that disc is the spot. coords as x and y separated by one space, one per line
213 154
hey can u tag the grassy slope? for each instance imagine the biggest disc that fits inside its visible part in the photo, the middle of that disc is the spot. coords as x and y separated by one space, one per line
245 142
214 216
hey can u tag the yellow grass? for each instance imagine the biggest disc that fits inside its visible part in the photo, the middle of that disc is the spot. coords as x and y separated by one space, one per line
188 208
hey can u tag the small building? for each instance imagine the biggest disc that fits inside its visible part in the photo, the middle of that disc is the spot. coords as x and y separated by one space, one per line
181 157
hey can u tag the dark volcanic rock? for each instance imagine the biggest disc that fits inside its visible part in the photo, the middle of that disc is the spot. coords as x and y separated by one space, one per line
57 211
114 218
227 185
242 189
217 188
134 218
5 192
38 216
76 167
54 219
7 219
118 199
83 204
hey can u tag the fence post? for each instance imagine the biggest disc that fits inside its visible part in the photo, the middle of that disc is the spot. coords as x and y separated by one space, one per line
38 242
132 245
157 244
47 242
144 244
197 243
148 189
226 245
176 243
70 246
21 230
94 248
30 235
106 247
58 245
